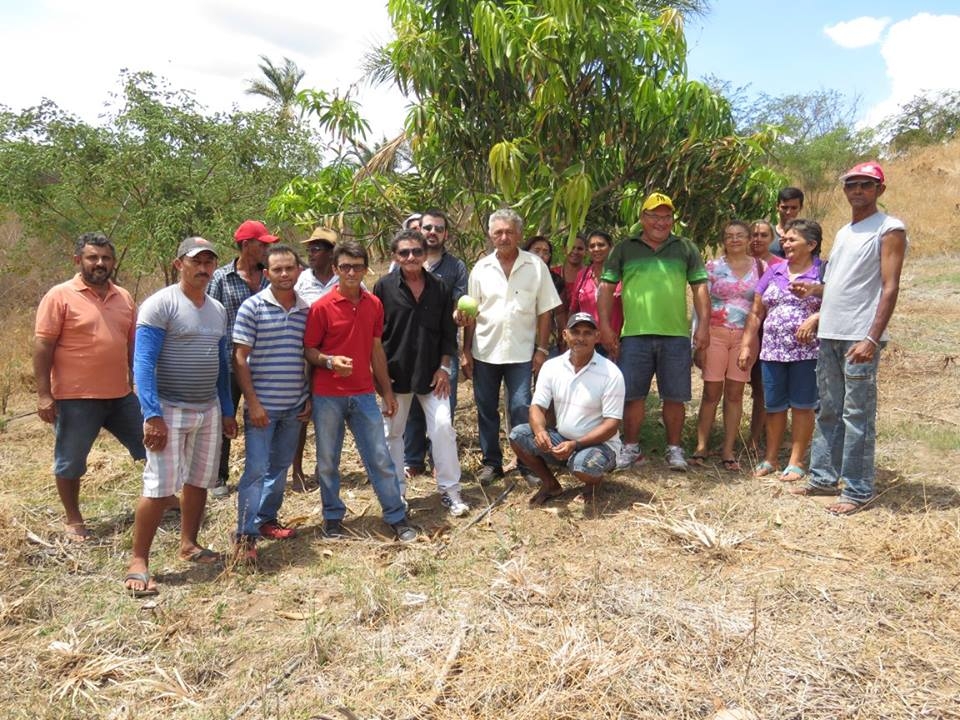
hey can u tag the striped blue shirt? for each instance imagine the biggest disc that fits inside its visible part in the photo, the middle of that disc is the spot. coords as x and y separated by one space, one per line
275 336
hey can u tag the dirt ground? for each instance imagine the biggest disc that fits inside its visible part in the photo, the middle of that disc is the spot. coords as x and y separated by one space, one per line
671 596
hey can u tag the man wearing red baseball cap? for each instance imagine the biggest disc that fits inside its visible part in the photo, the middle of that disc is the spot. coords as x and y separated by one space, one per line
231 285
860 289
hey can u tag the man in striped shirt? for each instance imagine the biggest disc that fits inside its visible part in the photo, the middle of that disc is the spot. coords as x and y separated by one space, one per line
181 366
269 367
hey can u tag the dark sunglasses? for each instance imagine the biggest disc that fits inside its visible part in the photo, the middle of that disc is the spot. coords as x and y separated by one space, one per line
438 228
862 184
407 252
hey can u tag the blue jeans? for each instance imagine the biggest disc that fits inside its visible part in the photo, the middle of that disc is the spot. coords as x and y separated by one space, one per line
487 378
269 452
594 460
846 432
361 413
415 433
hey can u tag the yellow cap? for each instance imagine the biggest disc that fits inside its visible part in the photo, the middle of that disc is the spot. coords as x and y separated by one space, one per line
655 200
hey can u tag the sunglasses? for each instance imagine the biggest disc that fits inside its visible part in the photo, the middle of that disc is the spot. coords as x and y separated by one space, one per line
438 228
347 268
407 252
862 184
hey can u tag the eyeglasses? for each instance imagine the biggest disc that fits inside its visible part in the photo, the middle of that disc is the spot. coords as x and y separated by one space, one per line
658 218
862 184
318 248
407 252
438 228
347 268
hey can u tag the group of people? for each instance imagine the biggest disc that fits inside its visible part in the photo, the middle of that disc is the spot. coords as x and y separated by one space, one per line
308 341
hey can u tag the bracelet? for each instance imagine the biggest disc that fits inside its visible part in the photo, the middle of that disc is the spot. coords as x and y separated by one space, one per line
542 349
447 370
872 341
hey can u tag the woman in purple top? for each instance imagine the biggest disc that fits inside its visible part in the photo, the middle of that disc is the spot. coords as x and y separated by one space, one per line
788 352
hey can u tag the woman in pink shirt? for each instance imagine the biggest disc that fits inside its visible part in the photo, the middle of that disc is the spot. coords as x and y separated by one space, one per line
583 297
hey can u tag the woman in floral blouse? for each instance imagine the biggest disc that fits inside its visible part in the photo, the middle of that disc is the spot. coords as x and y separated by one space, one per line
789 350
732 279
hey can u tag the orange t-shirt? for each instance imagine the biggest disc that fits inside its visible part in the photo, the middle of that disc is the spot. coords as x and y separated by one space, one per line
93 337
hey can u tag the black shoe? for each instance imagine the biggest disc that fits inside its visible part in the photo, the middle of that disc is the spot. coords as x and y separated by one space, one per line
488 474
405 533
333 529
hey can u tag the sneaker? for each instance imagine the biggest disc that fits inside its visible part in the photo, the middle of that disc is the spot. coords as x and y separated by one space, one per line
275 531
221 489
333 529
488 474
452 501
630 454
675 459
405 533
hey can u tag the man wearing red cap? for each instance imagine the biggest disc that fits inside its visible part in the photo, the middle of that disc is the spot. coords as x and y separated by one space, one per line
231 284
860 291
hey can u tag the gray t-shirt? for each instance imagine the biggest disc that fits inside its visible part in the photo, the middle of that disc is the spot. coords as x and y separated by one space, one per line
189 361
852 283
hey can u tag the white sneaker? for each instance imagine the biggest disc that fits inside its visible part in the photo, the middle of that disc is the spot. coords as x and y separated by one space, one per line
630 454
675 459
451 500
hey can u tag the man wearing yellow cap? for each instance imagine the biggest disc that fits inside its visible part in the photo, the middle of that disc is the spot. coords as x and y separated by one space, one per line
655 270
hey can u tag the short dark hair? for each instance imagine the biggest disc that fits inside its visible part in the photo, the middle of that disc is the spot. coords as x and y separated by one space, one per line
435 212
414 235
809 230
790 193
736 223
352 249
280 249
97 239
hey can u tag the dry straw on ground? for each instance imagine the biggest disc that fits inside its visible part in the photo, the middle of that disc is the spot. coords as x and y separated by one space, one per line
706 595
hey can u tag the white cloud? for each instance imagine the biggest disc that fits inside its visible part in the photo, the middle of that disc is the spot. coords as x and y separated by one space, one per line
857 33
921 55
72 52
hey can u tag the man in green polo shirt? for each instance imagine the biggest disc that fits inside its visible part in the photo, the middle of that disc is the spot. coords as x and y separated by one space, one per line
654 270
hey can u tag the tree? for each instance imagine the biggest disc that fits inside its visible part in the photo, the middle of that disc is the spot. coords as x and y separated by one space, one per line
928 119
157 171
568 110
279 85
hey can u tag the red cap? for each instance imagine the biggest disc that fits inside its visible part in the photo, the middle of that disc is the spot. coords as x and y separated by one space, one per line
252 230
868 169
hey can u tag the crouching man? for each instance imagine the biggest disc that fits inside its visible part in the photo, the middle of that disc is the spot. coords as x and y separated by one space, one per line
587 392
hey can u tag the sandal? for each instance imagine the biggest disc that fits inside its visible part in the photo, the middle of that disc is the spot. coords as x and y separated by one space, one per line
792 473
730 465
763 469
149 589
846 506
813 491
697 459
203 556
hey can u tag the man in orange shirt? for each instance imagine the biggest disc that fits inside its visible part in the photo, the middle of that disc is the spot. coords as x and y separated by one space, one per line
81 363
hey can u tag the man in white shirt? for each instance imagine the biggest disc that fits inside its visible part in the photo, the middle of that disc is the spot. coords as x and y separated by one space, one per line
508 342
587 392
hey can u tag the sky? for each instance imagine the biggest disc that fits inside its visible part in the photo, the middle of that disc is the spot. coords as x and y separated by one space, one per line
880 53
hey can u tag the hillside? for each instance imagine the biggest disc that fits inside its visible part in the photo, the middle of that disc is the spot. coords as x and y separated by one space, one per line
673 596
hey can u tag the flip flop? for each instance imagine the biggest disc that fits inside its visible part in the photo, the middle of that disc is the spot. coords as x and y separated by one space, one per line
544 495
77 532
203 556
730 465
763 469
813 491
697 459
797 473
853 507
146 591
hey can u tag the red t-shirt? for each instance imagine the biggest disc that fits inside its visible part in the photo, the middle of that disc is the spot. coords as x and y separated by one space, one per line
337 326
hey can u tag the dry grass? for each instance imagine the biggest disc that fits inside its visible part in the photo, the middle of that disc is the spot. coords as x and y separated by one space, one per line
706 595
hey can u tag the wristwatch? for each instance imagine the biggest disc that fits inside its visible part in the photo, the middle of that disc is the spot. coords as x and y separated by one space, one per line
448 370
329 362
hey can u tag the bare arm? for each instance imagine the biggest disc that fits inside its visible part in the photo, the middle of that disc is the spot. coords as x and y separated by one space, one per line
604 309
378 363
466 353
893 248
241 371
701 306
43 350
751 330
544 321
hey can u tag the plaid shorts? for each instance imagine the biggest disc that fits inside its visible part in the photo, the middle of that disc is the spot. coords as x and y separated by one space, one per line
191 455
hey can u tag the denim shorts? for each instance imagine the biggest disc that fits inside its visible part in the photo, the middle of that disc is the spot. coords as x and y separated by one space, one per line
666 356
789 385
594 460
79 422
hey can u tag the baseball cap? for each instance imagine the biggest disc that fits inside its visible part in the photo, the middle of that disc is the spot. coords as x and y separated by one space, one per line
866 169
193 246
322 234
655 200
253 230
415 216
581 317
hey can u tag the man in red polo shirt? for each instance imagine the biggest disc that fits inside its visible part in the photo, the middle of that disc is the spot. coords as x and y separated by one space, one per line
342 343
81 363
